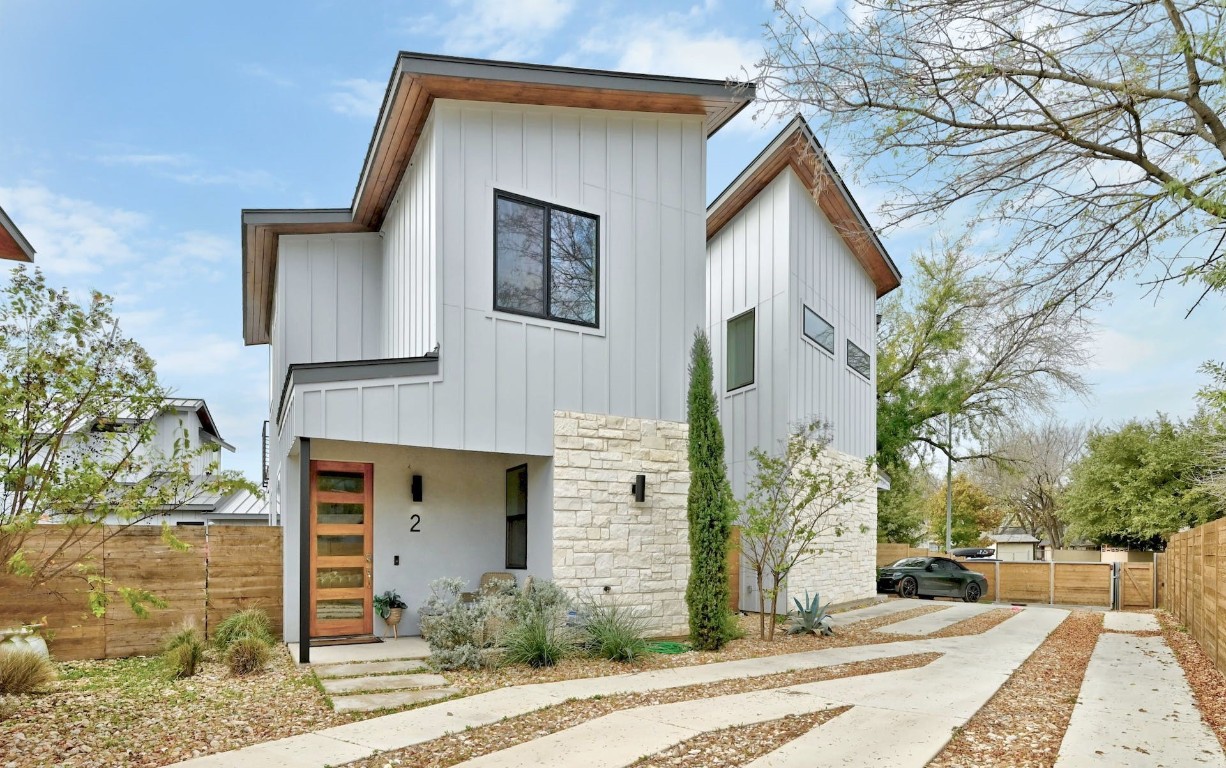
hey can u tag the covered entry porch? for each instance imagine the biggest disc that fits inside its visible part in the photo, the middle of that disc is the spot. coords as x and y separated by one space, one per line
372 517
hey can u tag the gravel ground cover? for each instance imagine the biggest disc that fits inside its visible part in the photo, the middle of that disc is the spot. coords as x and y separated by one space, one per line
1208 685
735 747
1023 724
750 646
469 744
125 712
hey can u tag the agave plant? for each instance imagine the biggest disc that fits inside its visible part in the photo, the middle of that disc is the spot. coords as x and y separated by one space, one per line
810 617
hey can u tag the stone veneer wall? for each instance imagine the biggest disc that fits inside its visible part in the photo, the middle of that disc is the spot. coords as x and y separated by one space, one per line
601 536
846 570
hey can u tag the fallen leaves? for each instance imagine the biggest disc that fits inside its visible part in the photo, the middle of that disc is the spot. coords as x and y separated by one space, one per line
1208 685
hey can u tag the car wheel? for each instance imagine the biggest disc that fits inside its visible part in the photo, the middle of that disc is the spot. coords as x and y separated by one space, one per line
972 592
908 587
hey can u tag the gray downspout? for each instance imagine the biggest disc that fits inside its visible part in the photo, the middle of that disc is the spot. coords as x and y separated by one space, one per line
304 550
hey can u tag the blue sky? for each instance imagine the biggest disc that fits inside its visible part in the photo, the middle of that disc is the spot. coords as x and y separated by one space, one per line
133 133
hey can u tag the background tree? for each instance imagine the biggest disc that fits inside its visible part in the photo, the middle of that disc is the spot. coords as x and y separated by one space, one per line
77 434
900 513
1213 406
1140 482
1030 472
974 513
710 507
797 502
1087 135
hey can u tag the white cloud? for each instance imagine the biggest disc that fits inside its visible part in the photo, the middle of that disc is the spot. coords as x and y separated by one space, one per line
261 72
501 29
1116 352
681 44
357 97
141 160
70 236
189 170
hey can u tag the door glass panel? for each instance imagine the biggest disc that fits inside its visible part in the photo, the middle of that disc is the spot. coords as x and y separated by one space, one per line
344 482
340 578
340 546
340 514
331 610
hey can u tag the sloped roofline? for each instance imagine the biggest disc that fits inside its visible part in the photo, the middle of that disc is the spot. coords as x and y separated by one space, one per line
416 81
797 148
13 245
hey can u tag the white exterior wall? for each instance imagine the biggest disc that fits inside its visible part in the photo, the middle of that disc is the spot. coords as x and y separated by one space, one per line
410 276
462 527
826 276
328 302
604 539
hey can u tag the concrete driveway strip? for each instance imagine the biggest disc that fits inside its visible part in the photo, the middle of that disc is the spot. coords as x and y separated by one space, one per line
878 610
894 709
938 620
1120 621
1135 710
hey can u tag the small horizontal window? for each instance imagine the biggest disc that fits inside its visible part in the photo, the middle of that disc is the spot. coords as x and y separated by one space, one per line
740 350
819 331
858 361
545 260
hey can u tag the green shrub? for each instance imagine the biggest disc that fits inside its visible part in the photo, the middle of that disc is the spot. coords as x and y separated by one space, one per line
539 641
542 598
24 671
465 633
246 655
251 622
613 632
183 651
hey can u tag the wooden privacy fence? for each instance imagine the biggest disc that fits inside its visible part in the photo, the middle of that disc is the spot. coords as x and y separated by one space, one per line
1048 582
1190 586
226 568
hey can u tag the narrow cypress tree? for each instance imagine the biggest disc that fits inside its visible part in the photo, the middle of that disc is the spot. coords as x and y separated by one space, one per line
710 507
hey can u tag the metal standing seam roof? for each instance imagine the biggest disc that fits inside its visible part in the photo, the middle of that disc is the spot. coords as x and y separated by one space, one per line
416 81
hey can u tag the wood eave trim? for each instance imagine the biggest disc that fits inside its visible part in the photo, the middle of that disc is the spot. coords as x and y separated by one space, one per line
830 200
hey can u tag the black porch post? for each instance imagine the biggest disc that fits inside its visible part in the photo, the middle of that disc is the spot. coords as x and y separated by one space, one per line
304 550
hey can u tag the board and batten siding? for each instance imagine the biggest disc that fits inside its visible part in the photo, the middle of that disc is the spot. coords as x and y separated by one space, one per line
328 303
827 277
774 256
409 257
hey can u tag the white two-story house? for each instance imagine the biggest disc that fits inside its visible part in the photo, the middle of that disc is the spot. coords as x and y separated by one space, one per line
480 364
794 271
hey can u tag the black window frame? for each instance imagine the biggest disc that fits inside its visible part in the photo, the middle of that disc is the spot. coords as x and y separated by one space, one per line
521 470
804 316
868 358
753 368
548 208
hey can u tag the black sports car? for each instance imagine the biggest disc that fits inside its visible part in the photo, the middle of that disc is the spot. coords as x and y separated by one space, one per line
931 577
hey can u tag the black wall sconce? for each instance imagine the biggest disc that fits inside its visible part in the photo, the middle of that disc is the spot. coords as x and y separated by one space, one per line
639 488
415 488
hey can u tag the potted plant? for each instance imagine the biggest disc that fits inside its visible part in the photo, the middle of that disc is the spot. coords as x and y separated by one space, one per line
390 608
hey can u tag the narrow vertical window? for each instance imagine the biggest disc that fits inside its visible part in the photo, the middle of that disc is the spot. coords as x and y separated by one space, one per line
517 517
545 260
858 360
740 350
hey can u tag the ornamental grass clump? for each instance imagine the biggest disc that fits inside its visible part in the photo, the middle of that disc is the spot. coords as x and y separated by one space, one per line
24 671
613 632
247 655
539 641
251 622
183 651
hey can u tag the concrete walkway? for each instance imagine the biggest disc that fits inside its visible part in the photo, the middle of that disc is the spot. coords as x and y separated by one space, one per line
896 697
1119 621
938 620
1136 710
875 611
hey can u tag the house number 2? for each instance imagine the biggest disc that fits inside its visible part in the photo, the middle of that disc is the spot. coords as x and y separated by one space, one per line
416 522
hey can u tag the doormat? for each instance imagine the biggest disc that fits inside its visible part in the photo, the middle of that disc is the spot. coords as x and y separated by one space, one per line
323 642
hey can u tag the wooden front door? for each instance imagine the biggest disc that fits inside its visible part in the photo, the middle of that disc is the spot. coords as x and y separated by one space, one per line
342 517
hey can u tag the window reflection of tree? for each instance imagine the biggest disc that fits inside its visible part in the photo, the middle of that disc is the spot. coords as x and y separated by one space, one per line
521 252
521 257
572 263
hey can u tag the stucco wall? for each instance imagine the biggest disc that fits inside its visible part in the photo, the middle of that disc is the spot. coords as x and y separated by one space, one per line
602 537
845 567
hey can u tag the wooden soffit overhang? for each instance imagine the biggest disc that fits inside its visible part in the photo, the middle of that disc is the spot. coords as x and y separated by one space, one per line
416 82
797 148
13 244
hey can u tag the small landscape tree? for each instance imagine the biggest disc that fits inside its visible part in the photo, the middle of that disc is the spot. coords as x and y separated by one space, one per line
795 502
78 441
710 507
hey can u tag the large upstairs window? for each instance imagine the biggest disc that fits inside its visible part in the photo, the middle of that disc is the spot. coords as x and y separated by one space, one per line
546 260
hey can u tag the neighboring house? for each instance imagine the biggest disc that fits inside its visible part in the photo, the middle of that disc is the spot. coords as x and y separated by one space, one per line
1014 544
480 365
794 271
13 244
190 418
